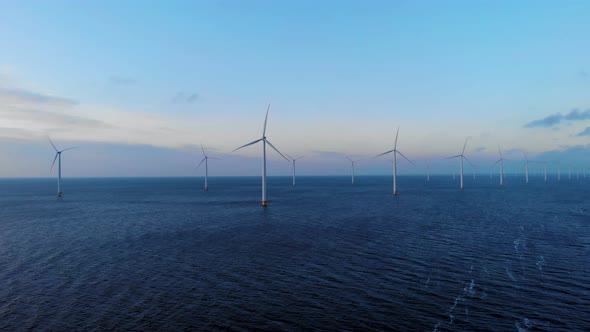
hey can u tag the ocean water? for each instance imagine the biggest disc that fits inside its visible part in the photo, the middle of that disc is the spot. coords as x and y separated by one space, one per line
162 254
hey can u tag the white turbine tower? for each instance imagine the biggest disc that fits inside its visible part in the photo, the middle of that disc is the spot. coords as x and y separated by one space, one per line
526 166
205 160
352 162
58 157
293 160
264 142
501 162
395 152
427 171
462 156
545 172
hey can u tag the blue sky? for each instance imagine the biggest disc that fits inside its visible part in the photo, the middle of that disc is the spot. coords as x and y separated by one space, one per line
138 86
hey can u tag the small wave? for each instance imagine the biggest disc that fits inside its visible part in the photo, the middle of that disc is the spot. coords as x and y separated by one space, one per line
510 274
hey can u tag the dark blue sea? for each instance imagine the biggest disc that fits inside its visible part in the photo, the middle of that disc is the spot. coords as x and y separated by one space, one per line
163 254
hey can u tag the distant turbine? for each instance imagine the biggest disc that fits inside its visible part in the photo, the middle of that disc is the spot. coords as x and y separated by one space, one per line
427 171
395 152
501 162
545 172
453 174
58 156
205 159
264 142
526 166
558 172
293 160
462 156
569 176
352 165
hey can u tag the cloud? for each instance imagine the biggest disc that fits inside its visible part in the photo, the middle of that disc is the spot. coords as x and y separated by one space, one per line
121 80
585 132
26 114
12 96
181 97
480 149
555 119
583 74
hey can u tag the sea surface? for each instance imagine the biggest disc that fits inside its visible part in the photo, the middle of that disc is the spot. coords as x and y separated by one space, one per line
163 254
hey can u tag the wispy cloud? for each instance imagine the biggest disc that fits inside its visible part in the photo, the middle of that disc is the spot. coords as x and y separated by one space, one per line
30 114
585 132
121 80
12 96
555 119
181 97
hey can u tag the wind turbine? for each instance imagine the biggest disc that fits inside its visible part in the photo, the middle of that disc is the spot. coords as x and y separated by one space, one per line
501 162
462 156
526 165
395 152
545 172
427 171
352 165
205 159
58 157
264 142
293 160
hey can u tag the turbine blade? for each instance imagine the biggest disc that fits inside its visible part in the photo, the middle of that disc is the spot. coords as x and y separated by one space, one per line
203 150
299 157
53 163
202 161
214 158
349 159
384 153
406 158
396 134
245 145
497 161
289 156
457 156
52 144
75 147
279 152
470 163
265 118
465 145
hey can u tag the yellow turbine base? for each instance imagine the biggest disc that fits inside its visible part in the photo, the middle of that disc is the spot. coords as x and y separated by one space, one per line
206 188
461 188
263 203
59 194
395 193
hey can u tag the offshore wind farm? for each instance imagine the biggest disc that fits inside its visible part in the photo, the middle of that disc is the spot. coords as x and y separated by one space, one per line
169 213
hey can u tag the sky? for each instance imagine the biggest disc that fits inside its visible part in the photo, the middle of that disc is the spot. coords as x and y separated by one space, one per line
138 86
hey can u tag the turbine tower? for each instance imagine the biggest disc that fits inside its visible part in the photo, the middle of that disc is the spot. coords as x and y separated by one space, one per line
264 141
501 162
395 152
462 156
293 160
58 157
427 171
205 160
352 162
526 166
